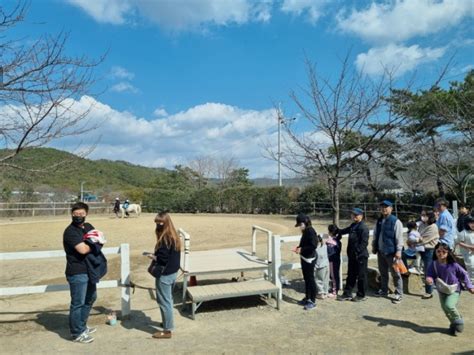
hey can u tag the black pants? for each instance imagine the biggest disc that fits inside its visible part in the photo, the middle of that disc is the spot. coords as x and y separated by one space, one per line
334 266
309 282
357 272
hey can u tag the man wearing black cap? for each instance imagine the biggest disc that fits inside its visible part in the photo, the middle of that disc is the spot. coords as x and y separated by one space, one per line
388 245
357 255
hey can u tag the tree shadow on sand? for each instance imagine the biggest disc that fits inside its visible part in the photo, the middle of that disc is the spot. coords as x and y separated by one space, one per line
383 322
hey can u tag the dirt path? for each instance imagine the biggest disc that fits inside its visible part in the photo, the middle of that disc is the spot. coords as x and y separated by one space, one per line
38 323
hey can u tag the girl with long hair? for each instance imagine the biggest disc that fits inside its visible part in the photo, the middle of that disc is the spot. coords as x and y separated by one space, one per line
449 277
167 256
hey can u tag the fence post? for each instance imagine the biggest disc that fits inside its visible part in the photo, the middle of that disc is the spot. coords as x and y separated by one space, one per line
276 263
254 240
125 279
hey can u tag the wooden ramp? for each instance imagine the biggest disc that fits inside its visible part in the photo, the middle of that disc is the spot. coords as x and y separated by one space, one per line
199 294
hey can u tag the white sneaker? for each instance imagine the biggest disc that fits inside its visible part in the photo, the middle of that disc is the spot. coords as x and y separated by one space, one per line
84 338
90 330
414 270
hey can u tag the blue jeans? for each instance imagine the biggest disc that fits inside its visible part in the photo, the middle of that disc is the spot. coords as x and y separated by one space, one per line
83 296
164 296
427 257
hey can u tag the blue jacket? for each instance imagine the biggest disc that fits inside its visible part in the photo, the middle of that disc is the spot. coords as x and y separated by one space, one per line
389 238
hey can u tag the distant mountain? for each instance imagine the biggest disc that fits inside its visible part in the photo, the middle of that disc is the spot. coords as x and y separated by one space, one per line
96 174
115 175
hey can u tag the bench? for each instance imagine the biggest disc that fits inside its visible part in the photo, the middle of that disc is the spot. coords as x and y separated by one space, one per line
199 294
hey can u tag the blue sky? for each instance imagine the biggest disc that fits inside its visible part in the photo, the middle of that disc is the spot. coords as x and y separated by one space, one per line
189 78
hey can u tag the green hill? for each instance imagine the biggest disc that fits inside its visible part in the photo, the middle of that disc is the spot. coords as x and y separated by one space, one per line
72 170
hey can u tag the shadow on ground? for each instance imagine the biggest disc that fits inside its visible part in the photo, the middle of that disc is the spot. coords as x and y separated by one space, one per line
383 322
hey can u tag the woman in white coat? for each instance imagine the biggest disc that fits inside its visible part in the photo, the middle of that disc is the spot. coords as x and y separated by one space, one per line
465 240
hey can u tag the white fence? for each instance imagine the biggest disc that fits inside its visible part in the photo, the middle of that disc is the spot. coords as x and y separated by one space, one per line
123 283
17 209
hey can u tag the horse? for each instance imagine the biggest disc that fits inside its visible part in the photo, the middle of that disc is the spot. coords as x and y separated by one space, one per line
133 207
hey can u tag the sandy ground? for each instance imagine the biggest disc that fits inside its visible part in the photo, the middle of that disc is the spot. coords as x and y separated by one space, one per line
38 323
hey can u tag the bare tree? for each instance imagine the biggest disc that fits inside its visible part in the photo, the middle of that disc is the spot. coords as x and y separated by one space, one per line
44 92
349 127
223 169
203 166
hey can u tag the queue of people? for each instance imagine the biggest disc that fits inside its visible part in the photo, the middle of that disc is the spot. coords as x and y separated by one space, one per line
430 241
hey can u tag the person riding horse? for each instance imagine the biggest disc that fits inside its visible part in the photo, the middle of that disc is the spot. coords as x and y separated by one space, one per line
125 207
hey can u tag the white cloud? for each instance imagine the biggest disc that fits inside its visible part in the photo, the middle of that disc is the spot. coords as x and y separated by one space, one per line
178 15
124 87
403 19
311 8
160 112
210 129
105 11
214 130
396 58
117 72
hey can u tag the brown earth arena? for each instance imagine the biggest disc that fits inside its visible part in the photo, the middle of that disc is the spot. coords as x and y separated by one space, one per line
38 323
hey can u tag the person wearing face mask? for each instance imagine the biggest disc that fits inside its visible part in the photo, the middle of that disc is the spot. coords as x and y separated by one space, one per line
307 251
429 237
166 258
83 292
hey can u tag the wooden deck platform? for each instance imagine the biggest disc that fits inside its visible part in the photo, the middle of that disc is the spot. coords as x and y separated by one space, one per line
222 260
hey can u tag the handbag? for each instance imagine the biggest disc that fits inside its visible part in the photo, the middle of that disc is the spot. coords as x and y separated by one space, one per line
156 270
442 286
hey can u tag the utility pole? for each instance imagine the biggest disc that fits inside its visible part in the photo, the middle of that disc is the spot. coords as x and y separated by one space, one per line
280 119
82 191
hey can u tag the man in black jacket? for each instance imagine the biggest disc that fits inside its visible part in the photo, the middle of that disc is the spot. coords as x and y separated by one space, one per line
357 255
83 292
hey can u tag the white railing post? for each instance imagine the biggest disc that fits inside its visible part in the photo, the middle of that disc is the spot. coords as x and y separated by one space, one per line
276 263
269 247
187 245
254 240
125 279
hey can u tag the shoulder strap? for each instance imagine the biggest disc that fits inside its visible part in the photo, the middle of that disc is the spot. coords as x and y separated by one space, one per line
435 269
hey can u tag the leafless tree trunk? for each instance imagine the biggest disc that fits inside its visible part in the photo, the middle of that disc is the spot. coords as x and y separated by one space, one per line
44 95
349 123
224 166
